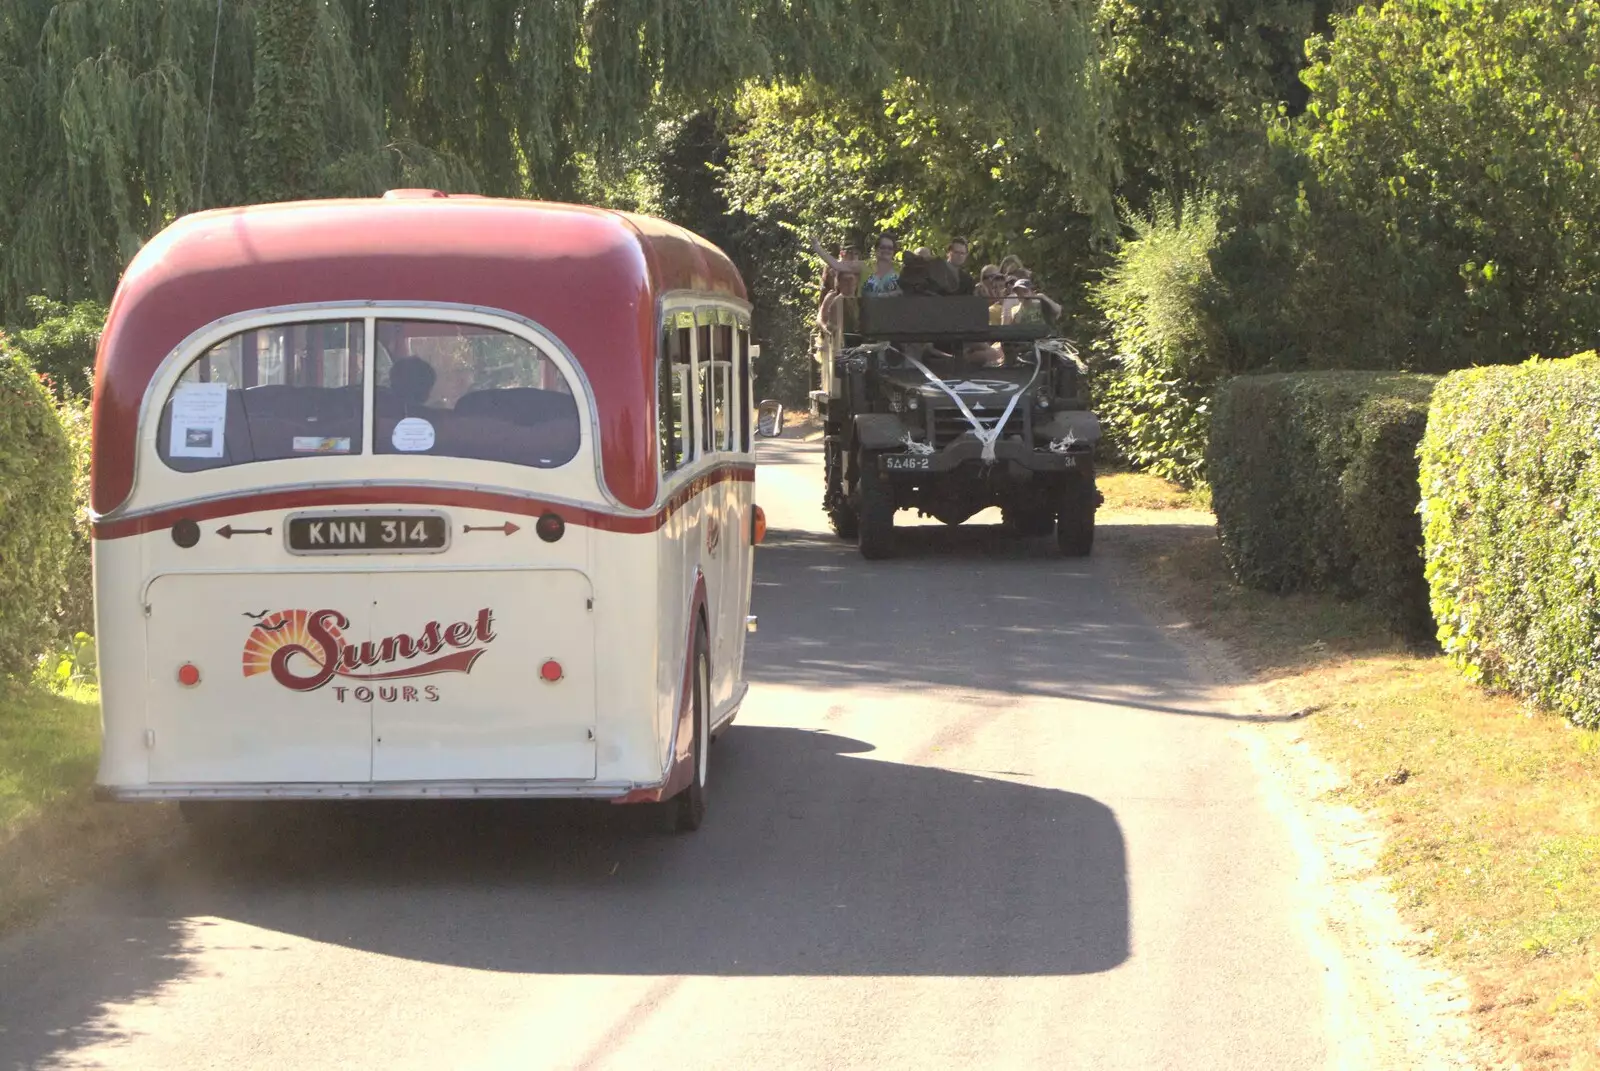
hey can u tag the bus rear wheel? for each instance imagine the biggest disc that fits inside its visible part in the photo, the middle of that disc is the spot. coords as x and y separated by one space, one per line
687 810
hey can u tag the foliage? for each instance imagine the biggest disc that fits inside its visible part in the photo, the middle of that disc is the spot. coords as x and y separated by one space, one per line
35 514
75 609
802 160
1454 218
1163 352
120 124
74 666
1189 80
1314 484
60 342
1511 519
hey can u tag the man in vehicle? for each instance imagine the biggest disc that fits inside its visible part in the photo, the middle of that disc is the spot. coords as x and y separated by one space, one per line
955 255
1029 306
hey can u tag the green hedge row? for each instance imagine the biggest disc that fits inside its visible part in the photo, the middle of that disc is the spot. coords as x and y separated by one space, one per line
1511 515
1314 483
37 507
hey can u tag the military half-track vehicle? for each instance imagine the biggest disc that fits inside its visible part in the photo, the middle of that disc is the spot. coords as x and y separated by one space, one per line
926 405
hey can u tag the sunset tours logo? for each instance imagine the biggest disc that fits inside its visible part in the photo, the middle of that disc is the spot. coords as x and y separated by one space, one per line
305 650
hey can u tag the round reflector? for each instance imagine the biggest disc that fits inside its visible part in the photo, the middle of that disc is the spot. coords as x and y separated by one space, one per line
758 526
551 670
188 674
550 527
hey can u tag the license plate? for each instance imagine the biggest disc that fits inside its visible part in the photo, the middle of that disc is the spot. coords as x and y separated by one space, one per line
382 533
912 462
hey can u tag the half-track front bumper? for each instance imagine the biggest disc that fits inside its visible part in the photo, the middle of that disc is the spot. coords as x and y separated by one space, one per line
965 450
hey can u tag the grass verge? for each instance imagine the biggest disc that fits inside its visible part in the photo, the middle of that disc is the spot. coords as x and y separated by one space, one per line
52 833
1492 812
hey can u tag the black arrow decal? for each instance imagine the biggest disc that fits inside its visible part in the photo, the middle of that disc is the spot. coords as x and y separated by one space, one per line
504 529
228 531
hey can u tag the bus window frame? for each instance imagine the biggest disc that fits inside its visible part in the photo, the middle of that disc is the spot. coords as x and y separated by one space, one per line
199 342
709 320
676 364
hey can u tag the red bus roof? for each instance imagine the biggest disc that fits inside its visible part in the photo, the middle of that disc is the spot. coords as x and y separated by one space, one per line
591 276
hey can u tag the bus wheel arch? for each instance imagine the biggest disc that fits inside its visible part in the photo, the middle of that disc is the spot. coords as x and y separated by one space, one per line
687 809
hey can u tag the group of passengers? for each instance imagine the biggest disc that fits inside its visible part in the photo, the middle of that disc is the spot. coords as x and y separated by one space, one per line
1008 285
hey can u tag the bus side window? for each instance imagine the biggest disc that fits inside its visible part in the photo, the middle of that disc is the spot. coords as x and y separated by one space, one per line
667 429
742 379
674 417
722 397
704 378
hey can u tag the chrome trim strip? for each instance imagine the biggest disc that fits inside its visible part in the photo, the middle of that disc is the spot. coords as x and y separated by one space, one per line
409 790
438 485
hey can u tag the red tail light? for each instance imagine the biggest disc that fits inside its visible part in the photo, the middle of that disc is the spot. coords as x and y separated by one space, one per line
758 526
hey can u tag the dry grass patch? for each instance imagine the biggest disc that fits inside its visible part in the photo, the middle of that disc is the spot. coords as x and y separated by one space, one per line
1492 811
52 833
1141 491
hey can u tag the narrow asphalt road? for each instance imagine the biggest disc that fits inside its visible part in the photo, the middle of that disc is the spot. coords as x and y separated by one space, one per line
978 811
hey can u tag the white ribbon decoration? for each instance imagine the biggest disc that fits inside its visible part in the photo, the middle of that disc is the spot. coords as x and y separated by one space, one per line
987 436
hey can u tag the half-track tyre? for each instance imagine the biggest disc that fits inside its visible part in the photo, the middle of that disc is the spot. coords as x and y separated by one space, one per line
843 520
1075 519
876 511
842 515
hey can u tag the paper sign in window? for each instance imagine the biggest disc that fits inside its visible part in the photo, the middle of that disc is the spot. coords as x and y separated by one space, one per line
199 420
413 435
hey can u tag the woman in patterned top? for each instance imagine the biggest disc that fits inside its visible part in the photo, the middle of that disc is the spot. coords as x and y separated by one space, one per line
884 281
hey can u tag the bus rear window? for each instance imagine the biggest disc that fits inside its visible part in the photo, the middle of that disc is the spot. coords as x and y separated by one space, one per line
461 390
289 390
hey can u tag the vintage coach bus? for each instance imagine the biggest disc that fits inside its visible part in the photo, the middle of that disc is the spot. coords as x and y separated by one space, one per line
424 496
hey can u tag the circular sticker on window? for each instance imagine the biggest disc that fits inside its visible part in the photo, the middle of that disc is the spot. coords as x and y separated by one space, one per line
412 435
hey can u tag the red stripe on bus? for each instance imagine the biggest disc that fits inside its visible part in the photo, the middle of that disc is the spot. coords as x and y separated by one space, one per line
458 497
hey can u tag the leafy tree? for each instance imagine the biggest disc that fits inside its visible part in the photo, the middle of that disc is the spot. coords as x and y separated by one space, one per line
1189 80
1455 216
123 126
60 343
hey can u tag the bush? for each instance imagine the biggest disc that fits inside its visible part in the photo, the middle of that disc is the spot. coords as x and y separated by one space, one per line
76 612
36 510
1511 519
60 342
1314 484
1154 378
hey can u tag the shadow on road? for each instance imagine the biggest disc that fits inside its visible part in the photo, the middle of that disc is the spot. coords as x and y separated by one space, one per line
816 860
1013 618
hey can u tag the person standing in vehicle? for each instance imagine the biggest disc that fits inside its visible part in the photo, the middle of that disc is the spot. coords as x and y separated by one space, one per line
1029 306
955 254
884 280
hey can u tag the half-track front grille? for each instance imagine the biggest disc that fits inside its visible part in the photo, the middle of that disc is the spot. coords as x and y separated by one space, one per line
945 426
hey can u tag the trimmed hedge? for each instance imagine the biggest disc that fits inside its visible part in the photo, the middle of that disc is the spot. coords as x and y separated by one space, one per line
1314 483
36 514
1511 520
